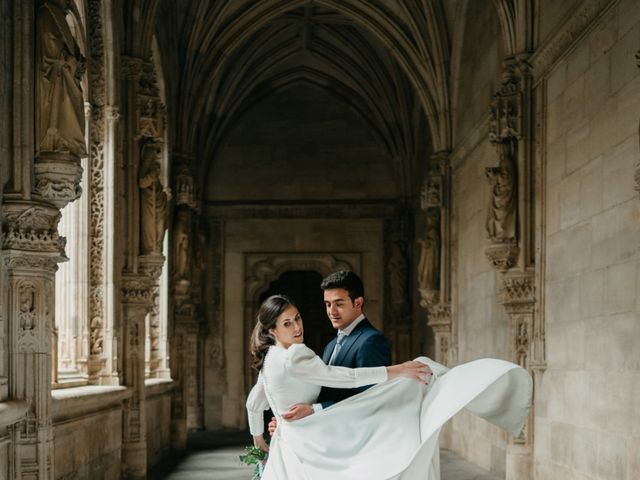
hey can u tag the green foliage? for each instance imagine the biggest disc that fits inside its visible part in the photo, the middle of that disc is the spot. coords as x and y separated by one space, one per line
254 456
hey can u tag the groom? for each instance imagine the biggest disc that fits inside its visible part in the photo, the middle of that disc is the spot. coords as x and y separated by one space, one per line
358 343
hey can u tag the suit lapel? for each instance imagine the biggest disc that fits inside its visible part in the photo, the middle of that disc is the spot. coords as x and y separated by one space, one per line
328 350
349 342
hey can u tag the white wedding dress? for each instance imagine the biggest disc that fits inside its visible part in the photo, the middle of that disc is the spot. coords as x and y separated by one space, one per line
391 430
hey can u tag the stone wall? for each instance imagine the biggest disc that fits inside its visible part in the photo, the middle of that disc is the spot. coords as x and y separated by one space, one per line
588 421
87 423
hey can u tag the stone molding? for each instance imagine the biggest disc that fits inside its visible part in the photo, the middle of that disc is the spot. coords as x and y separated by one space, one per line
323 210
575 25
263 268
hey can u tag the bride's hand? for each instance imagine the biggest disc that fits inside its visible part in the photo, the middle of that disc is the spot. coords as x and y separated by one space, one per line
414 370
258 441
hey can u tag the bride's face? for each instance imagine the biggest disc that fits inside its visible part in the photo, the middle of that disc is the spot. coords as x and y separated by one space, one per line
289 329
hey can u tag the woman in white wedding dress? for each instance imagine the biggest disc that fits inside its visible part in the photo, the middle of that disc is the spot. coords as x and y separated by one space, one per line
391 430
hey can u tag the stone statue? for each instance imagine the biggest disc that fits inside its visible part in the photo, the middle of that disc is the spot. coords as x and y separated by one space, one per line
429 263
501 216
60 66
153 200
182 245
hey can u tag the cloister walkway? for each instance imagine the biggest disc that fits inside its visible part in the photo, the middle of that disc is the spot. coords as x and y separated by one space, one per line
213 457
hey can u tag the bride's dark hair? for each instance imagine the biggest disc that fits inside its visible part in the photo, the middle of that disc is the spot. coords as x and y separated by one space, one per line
268 314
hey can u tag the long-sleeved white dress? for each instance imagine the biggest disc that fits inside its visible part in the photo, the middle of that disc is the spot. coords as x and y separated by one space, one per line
389 431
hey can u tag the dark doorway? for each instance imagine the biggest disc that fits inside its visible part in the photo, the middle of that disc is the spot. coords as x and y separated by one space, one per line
304 288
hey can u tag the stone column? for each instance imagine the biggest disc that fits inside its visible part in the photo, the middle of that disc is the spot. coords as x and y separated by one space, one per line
147 203
31 248
137 291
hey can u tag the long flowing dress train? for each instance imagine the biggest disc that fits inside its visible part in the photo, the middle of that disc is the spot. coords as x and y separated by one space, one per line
388 432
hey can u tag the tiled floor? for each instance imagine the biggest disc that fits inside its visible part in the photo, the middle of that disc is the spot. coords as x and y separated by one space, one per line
209 459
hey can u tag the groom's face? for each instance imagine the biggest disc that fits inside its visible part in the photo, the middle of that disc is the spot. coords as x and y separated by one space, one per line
340 309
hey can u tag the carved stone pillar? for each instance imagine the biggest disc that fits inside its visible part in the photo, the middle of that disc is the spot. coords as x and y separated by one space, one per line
31 247
186 410
137 291
440 321
102 141
511 229
434 271
184 406
527 337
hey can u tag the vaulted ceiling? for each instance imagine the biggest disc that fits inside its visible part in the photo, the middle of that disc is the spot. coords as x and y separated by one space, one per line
387 60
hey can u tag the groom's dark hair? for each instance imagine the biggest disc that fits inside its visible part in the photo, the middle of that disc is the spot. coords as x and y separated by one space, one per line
346 280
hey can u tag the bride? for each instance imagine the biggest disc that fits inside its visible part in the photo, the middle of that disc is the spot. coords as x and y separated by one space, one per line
391 430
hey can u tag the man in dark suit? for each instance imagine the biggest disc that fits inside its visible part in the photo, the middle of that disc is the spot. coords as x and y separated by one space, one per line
358 343
361 344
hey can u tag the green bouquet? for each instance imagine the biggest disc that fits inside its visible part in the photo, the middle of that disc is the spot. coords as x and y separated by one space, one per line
257 457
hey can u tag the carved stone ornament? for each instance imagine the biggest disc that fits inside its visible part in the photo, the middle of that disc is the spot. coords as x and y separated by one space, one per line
151 265
58 178
32 229
149 107
518 293
440 317
503 256
505 112
137 289
431 193
185 189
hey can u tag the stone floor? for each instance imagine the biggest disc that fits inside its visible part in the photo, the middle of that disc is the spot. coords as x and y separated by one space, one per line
211 457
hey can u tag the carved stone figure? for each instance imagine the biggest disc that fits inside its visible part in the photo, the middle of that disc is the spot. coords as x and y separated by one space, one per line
501 216
182 245
429 263
60 66
153 200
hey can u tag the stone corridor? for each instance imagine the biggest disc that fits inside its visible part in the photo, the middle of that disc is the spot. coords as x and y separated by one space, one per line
211 457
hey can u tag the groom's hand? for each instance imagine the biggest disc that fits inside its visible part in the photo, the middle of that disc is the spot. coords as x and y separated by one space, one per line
298 411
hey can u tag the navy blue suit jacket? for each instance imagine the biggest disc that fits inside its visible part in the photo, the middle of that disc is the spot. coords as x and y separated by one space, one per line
366 346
